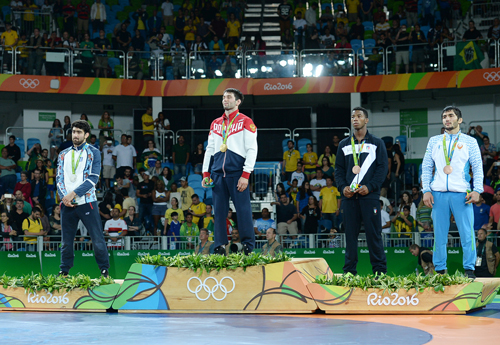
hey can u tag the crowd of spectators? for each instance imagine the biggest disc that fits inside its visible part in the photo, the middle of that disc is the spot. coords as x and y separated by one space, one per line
412 25
142 196
196 26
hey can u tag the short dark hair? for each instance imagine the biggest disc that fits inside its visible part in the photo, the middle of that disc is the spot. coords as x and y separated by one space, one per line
406 207
124 191
237 94
454 109
93 136
129 136
273 230
328 177
206 230
485 231
12 137
81 124
363 110
173 214
414 246
486 137
194 196
36 209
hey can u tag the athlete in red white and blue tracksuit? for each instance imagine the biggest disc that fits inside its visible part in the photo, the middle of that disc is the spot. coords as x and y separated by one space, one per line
230 171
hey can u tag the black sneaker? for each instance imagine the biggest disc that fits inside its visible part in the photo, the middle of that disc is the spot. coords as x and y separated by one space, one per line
221 250
441 271
104 273
246 250
470 274
62 273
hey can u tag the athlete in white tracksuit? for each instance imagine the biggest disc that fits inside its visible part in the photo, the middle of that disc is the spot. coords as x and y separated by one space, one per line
452 192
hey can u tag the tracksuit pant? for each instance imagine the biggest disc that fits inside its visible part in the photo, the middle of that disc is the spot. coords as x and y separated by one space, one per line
446 203
89 215
225 187
369 210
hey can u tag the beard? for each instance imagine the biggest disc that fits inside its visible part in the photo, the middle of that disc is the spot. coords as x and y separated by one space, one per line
78 142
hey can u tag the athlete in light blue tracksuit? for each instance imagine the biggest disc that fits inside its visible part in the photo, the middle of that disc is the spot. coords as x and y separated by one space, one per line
446 187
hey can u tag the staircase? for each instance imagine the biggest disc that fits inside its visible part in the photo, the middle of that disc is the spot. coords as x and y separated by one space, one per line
262 17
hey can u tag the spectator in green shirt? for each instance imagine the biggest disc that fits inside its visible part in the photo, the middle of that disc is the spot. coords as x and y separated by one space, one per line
180 156
189 231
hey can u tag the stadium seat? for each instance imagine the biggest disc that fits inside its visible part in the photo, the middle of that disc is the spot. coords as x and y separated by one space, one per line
169 165
200 191
324 224
388 139
205 143
356 46
402 141
410 173
425 29
208 193
32 141
380 68
368 26
194 178
20 143
304 142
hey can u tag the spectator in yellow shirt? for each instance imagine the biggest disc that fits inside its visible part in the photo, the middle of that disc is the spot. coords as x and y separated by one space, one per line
352 9
29 17
233 28
32 226
329 201
197 209
148 126
300 8
290 159
9 40
310 160
189 33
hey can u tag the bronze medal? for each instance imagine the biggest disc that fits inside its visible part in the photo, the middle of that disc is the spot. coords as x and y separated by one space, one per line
223 148
448 169
356 169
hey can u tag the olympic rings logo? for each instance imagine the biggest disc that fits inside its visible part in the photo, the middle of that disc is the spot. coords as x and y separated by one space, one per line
210 291
29 83
493 76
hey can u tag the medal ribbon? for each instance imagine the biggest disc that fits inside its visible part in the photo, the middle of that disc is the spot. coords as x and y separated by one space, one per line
356 156
224 133
446 157
73 165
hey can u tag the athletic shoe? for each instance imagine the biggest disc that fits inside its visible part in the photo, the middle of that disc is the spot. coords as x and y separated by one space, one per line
105 273
62 274
221 250
441 272
470 274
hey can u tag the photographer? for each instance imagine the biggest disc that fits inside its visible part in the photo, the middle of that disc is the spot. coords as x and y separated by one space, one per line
108 164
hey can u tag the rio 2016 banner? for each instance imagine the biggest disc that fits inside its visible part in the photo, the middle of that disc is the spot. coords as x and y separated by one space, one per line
258 87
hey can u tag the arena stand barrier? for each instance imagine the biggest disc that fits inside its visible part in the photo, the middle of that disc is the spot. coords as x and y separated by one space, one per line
327 62
433 59
56 59
262 64
202 65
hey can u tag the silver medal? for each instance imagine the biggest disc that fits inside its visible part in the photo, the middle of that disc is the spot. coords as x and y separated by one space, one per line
72 178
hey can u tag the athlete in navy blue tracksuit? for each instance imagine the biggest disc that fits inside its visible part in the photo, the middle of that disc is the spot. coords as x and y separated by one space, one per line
229 160
371 171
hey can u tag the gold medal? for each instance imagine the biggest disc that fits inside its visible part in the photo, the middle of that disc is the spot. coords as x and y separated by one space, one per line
356 169
448 169
223 148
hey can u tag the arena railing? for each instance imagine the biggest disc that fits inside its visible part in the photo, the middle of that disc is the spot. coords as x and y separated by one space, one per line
61 58
199 64
147 67
160 138
86 62
363 55
263 64
327 62
305 241
7 58
434 54
485 9
487 124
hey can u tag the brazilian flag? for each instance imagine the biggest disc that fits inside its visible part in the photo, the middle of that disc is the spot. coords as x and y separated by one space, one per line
469 56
